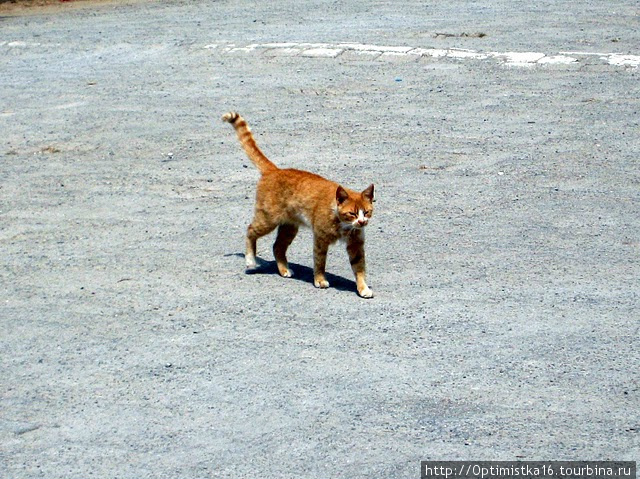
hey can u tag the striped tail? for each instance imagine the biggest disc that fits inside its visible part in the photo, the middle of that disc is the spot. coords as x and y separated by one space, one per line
249 143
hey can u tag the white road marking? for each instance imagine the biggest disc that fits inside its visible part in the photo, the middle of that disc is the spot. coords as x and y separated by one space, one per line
279 45
391 53
624 60
322 52
247 49
464 54
557 59
284 51
376 48
431 52
595 54
361 54
519 58
355 51
67 106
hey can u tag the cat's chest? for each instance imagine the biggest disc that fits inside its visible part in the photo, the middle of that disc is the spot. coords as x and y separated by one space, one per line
302 219
350 234
327 225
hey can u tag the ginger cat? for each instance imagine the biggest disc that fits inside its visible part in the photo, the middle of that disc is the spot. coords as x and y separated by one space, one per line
288 199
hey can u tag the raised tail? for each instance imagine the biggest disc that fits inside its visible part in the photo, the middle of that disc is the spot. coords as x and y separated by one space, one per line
249 143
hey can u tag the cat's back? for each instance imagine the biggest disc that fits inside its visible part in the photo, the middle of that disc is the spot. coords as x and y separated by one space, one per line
297 183
296 196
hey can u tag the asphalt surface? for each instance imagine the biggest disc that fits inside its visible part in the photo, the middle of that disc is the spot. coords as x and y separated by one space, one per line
503 250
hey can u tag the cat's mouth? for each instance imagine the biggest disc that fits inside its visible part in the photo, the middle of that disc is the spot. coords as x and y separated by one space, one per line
353 226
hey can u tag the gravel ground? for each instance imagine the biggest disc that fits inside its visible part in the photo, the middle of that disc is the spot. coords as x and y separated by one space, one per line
503 250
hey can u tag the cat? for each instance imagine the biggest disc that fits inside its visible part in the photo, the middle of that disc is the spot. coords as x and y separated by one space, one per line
287 199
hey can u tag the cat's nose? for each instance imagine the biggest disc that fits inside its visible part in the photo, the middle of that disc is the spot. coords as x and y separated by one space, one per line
362 222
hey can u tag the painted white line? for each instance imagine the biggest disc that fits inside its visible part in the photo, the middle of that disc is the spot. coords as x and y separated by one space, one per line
624 60
466 54
284 51
322 52
356 51
519 57
594 54
395 53
430 52
359 56
316 45
557 60
67 106
378 48
278 45
247 49
363 53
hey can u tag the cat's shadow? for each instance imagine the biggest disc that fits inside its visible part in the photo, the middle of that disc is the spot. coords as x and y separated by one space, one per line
300 273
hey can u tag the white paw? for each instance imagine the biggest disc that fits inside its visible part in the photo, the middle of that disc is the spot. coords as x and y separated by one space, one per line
287 274
251 262
321 284
366 293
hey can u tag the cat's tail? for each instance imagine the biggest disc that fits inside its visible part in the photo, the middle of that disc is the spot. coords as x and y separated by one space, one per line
249 143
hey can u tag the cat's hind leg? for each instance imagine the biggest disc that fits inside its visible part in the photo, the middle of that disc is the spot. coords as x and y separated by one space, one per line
286 234
260 226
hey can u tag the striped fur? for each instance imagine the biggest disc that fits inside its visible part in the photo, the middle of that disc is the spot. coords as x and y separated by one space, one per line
249 143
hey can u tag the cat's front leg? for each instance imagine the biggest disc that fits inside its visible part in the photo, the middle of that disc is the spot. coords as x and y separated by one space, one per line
320 249
355 248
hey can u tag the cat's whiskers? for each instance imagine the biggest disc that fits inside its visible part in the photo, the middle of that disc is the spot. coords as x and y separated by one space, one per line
349 226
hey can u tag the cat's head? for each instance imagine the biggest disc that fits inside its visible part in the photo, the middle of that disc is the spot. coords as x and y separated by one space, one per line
354 209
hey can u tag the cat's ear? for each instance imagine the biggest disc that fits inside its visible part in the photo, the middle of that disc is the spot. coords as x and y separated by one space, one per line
341 195
368 193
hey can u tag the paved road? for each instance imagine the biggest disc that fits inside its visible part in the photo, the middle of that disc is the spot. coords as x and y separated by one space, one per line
503 142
